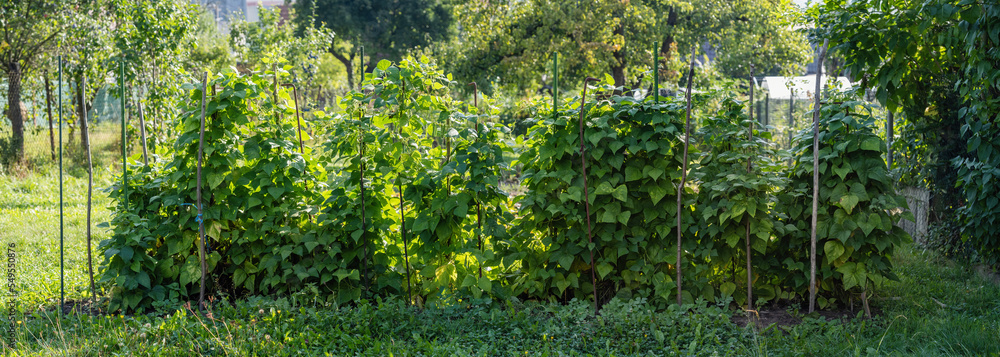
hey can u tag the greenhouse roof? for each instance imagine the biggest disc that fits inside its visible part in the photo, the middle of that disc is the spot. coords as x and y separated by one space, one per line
802 87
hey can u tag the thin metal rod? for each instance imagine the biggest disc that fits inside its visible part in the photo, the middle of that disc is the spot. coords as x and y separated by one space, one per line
479 206
680 188
586 194
889 137
277 119
656 73
201 220
124 143
767 108
815 197
749 169
406 253
361 68
90 184
62 271
555 83
361 184
791 118
298 115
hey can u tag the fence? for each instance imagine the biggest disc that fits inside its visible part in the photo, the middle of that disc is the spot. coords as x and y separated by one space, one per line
41 131
918 199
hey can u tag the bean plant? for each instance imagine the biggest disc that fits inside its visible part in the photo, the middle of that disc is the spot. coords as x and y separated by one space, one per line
634 158
858 207
260 194
738 177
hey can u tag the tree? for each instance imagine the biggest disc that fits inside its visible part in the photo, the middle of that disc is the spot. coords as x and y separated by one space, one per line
29 28
386 29
154 38
937 60
270 40
514 40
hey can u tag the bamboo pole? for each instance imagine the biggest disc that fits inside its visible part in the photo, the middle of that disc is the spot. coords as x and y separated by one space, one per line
815 198
586 194
680 188
200 219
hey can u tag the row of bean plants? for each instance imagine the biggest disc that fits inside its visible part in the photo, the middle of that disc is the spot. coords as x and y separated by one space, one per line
402 196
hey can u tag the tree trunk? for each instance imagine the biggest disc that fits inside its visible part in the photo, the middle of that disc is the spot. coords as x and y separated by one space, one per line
14 113
668 39
348 62
48 105
618 66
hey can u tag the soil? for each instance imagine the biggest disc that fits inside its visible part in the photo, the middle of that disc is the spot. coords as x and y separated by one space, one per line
988 273
781 317
82 306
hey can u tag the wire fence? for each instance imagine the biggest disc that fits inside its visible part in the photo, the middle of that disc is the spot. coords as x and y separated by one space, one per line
42 128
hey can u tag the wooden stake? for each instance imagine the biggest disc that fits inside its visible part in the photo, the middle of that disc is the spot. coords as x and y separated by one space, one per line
479 206
90 187
142 133
815 198
680 188
201 220
586 201
48 105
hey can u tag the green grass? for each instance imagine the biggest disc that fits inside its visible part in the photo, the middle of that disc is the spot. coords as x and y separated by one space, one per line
29 218
938 308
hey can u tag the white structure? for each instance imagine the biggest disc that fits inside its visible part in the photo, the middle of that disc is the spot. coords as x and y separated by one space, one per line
254 6
799 87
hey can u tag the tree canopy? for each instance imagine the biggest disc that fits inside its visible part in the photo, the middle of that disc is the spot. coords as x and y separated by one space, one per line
387 29
515 40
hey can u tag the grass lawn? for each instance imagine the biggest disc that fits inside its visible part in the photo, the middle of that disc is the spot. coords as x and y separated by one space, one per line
938 308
